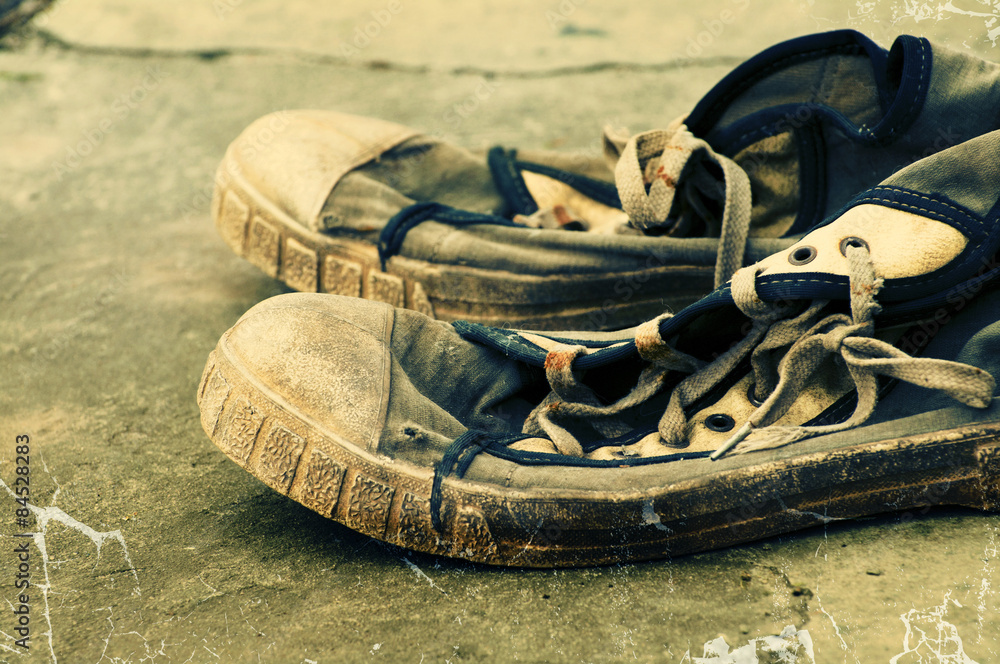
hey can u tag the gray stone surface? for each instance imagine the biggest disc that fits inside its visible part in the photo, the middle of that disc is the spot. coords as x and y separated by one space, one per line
115 287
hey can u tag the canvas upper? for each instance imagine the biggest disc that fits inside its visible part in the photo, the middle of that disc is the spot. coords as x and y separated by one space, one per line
839 371
778 145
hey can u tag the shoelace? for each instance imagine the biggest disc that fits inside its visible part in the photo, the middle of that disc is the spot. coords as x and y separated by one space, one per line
391 238
647 176
655 157
865 357
810 338
570 400
463 451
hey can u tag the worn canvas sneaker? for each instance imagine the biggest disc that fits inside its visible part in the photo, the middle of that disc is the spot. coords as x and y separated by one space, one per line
848 375
340 204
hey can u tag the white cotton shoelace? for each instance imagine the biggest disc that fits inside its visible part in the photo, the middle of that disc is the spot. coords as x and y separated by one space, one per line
648 174
810 338
866 358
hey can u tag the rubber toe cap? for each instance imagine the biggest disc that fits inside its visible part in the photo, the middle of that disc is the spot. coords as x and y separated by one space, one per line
295 158
324 357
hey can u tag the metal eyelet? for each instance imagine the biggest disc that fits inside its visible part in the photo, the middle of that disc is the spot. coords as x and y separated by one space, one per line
752 396
851 242
720 422
802 255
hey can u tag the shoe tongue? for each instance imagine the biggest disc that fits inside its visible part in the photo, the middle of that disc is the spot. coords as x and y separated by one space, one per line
560 206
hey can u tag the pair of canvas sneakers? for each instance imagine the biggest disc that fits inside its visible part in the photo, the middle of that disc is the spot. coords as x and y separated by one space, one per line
837 202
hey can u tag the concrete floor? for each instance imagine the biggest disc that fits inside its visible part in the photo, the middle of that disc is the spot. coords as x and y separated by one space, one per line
114 287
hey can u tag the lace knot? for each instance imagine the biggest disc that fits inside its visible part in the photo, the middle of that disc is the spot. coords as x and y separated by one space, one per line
648 178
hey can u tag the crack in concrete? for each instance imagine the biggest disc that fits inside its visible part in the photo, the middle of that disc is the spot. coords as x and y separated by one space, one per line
52 40
45 515
786 646
836 629
420 573
7 648
936 636
255 602
151 651
990 554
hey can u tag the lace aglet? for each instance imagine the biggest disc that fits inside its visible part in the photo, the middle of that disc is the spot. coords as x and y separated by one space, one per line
735 440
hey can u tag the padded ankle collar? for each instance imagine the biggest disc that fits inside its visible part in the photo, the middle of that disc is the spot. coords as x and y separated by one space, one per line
902 78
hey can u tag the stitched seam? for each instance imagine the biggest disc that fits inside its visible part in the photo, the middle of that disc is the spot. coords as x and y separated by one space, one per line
509 479
927 279
912 110
935 213
824 84
916 194
920 86
968 222
910 192
971 249
805 281
436 247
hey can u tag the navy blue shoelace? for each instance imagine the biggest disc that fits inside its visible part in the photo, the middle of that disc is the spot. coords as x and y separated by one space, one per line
464 450
506 171
391 238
